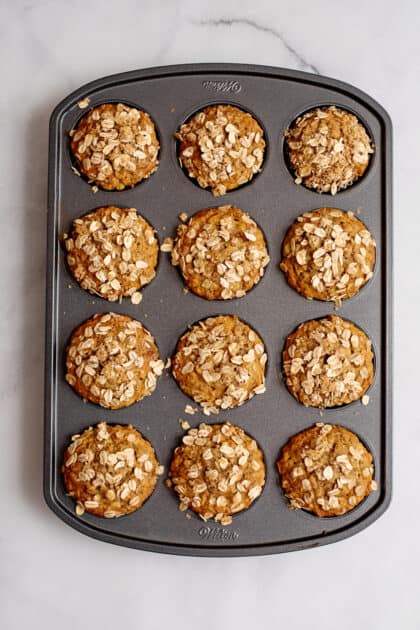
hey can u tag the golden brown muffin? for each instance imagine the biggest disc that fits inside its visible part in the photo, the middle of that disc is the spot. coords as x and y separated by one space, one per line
217 471
328 254
112 360
115 146
221 253
112 252
221 147
220 363
328 362
326 470
328 149
110 470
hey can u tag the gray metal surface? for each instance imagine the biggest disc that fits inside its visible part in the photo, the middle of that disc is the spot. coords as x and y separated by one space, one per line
275 97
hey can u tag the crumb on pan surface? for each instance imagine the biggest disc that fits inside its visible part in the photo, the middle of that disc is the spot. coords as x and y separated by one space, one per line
112 360
328 362
328 254
112 252
115 146
109 470
326 470
221 147
221 253
328 149
217 471
220 363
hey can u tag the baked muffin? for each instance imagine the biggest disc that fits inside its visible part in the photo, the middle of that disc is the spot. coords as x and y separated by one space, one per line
328 362
326 470
112 252
220 363
328 254
110 470
328 149
221 253
112 360
115 146
217 471
221 147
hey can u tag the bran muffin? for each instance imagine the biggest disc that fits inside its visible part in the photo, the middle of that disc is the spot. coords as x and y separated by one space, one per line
328 254
328 362
221 253
221 147
115 146
328 149
217 471
112 360
110 470
220 363
326 470
112 252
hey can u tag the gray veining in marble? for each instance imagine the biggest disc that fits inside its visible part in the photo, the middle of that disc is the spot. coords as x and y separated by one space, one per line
301 62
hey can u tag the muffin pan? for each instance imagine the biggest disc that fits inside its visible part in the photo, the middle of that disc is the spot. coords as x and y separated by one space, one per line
275 97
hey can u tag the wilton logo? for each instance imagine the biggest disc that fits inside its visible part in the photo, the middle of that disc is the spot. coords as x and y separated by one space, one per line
223 86
217 533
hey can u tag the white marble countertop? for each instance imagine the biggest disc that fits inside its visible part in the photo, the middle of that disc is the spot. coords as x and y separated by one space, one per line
50 575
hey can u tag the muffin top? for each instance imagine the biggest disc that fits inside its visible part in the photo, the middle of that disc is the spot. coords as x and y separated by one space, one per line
221 147
112 360
112 252
220 363
328 254
217 471
115 146
328 362
326 470
110 470
221 253
328 149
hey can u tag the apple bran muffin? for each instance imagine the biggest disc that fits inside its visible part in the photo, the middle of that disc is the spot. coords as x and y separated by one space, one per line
328 362
221 253
326 470
220 363
221 147
328 149
328 254
112 252
115 146
110 471
217 471
112 360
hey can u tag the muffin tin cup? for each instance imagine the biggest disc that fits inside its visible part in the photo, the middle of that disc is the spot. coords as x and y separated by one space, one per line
321 105
233 103
275 96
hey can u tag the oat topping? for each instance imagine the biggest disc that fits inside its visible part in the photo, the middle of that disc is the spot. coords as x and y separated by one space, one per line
222 147
113 361
110 470
220 363
328 362
326 470
328 149
83 103
112 252
221 252
328 254
167 245
217 471
115 146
